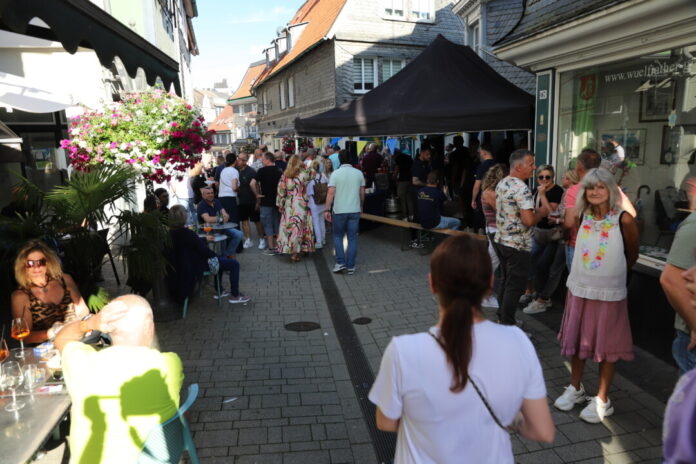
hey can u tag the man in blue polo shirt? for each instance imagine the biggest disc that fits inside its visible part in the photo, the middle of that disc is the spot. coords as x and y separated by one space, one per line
346 194
208 211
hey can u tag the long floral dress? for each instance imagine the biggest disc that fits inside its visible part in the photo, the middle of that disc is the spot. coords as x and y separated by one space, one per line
296 233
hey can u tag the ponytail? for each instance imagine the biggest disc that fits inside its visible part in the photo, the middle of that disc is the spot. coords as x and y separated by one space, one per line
460 272
456 339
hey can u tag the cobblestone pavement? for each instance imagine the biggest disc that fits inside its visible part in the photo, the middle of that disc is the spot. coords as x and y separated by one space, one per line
270 395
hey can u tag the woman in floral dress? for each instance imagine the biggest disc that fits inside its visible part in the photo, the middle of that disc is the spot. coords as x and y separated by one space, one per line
296 234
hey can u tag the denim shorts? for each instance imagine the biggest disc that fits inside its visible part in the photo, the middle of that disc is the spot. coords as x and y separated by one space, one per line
270 218
685 359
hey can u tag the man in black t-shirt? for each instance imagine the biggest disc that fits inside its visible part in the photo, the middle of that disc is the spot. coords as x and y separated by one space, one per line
419 177
265 186
429 202
246 201
403 179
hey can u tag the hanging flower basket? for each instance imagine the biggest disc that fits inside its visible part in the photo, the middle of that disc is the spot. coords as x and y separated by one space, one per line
157 133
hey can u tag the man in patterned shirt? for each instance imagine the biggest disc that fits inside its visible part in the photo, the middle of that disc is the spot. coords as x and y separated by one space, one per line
513 240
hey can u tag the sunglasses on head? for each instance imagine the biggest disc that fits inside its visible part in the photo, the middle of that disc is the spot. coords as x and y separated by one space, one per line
544 177
35 262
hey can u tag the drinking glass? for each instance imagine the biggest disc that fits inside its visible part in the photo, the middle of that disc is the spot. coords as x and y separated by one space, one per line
11 377
34 377
4 352
207 230
20 331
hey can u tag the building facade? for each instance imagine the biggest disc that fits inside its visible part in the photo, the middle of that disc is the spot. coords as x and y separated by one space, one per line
616 74
70 82
333 51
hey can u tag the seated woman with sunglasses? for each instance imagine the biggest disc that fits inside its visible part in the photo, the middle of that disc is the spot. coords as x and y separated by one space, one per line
46 298
452 392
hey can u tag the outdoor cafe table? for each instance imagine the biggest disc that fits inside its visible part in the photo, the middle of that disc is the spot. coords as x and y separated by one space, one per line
23 432
226 225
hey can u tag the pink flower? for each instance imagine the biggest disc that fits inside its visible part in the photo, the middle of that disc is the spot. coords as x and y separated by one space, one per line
64 143
174 124
113 145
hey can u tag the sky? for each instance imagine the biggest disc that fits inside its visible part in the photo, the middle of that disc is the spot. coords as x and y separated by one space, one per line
233 33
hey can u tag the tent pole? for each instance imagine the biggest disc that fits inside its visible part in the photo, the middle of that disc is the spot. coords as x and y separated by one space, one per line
529 140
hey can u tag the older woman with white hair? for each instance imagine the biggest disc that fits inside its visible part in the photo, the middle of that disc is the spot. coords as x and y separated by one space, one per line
595 321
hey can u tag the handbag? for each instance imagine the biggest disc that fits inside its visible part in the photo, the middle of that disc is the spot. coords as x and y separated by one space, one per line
321 189
545 236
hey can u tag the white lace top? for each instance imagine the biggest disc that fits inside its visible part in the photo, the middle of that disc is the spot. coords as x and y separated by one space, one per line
598 271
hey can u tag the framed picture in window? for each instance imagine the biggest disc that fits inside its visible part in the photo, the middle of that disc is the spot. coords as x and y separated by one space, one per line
678 144
631 141
657 101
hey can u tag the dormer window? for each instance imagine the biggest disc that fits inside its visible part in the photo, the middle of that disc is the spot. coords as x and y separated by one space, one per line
422 9
394 8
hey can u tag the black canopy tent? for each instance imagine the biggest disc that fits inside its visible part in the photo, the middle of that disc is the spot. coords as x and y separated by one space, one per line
80 23
447 88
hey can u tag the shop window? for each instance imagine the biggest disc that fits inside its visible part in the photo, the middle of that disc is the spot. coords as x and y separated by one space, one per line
364 74
394 8
640 115
391 67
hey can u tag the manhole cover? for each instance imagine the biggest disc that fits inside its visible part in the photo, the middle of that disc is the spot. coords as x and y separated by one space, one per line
362 320
302 326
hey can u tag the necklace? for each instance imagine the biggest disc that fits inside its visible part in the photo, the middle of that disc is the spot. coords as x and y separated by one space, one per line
44 287
588 224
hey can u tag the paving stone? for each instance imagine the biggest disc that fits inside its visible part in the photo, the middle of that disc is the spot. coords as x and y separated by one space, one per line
260 459
207 439
305 457
296 433
253 436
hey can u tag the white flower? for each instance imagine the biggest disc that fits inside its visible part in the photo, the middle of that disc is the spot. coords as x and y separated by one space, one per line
158 140
82 144
75 131
123 145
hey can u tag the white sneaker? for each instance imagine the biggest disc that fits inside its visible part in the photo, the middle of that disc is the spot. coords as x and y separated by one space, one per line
262 244
222 295
570 398
239 299
536 307
490 302
248 243
318 245
596 410
338 268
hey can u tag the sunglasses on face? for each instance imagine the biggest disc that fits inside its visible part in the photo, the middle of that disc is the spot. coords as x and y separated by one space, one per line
35 263
544 177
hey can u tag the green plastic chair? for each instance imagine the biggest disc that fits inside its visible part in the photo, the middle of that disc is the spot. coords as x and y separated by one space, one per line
218 286
167 442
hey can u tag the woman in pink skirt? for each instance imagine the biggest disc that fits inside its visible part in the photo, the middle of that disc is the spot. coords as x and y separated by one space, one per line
595 322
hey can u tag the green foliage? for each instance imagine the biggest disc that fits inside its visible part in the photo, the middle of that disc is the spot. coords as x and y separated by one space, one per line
148 239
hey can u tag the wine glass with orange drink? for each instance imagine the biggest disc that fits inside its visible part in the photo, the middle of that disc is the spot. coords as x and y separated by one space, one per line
20 331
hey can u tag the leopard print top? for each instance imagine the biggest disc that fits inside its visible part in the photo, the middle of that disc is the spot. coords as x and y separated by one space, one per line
44 315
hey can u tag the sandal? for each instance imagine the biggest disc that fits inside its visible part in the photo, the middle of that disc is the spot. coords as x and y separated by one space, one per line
295 258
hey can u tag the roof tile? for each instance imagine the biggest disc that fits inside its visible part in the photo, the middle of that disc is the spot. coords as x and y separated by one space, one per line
250 77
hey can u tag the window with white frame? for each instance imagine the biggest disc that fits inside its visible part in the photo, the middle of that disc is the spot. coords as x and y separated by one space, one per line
282 95
473 36
391 67
394 8
364 74
240 110
264 104
422 9
291 91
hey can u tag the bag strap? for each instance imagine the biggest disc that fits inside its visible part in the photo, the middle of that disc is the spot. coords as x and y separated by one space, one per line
478 391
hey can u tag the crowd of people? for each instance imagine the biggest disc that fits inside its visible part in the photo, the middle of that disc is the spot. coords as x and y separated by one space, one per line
467 376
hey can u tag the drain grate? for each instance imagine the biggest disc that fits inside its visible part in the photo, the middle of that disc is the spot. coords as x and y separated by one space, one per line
356 361
302 326
362 320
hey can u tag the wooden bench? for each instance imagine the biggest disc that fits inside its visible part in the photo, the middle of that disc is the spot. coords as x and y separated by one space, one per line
408 225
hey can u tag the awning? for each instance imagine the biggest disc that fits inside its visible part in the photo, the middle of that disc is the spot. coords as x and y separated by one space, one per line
17 92
447 88
80 23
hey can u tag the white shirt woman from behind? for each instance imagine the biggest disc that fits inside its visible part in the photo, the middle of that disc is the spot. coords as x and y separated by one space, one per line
450 392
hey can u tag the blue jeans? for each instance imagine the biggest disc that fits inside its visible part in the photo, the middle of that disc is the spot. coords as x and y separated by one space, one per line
346 224
231 265
685 359
234 236
448 223
270 218
570 251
